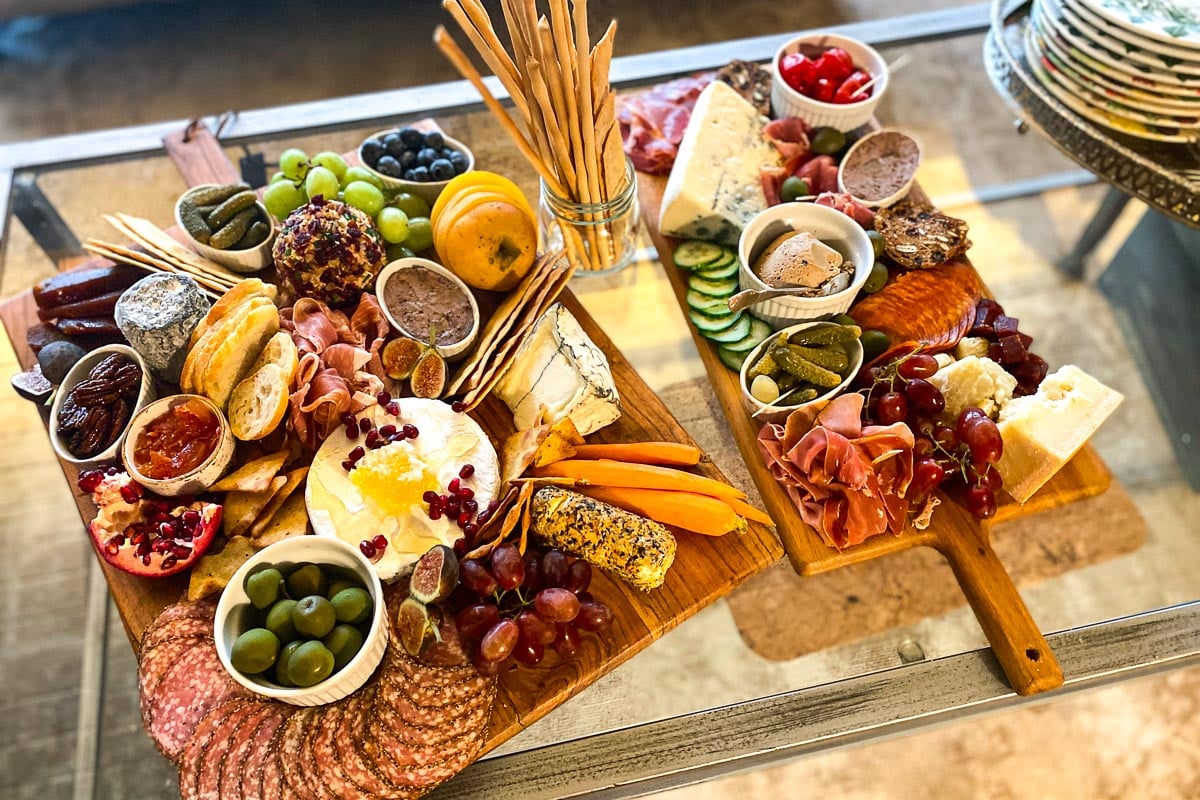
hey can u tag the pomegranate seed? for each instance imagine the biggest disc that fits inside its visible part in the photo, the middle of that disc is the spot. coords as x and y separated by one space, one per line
380 542
191 517
113 545
435 512
458 406
90 479
470 529
470 504
161 545
453 506
411 431
166 529
131 493
356 453
430 497
180 551
467 471
387 431
366 548
466 493
187 535
443 500
347 465
146 560
348 418
463 518
454 486
492 506
351 431
383 398
483 516
373 441
460 547
365 425
168 562
113 470
393 408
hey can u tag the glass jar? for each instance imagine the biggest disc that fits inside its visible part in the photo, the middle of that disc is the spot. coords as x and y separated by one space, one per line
599 237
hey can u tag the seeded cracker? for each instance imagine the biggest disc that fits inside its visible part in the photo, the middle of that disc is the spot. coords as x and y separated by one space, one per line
916 236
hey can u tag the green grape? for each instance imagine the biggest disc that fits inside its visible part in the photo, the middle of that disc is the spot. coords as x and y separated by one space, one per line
392 224
411 204
321 181
277 177
395 252
282 198
332 162
357 173
294 163
420 234
364 197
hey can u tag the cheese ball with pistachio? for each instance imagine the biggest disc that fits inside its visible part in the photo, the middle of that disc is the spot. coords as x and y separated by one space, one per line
329 251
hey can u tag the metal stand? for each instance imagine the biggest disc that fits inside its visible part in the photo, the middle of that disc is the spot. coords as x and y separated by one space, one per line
1111 206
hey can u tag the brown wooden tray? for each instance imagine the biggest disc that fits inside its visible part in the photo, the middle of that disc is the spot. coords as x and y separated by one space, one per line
705 569
959 537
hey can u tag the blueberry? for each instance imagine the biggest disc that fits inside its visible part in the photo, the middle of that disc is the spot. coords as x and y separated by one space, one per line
441 170
412 138
410 174
459 166
448 151
389 166
427 156
395 148
421 174
408 160
372 149
390 137
457 158
434 140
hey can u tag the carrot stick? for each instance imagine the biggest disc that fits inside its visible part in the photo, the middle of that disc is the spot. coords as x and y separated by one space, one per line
697 513
604 472
669 453
748 511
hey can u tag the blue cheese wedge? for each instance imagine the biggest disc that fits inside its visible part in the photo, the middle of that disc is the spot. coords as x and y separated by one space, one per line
559 372
714 188
157 315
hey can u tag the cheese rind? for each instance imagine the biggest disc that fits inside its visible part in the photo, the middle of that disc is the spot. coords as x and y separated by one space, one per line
1043 431
714 188
973 382
559 369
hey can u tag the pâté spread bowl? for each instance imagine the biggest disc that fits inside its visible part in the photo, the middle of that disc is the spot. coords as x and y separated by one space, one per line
419 296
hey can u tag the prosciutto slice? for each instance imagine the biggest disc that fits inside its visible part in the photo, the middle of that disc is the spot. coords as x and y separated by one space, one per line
848 482
653 122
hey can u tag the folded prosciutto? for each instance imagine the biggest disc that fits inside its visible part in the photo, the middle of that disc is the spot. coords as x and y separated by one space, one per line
340 367
653 122
849 482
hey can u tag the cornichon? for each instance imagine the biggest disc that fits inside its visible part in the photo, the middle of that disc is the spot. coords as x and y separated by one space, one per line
212 195
256 235
230 208
193 222
786 381
802 396
235 229
804 369
826 334
764 366
832 357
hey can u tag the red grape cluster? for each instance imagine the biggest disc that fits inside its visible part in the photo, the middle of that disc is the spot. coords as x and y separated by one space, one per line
515 607
901 392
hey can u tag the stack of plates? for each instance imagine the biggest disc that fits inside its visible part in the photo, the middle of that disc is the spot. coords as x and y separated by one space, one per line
1130 65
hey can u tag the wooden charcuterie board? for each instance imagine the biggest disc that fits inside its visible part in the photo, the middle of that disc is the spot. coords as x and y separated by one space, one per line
957 535
705 568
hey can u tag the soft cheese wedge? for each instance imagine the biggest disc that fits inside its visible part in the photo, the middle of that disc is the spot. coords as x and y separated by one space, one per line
714 188
1043 431
973 382
559 369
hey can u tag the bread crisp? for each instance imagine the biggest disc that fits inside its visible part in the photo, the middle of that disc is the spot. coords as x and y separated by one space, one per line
917 236
258 403
235 353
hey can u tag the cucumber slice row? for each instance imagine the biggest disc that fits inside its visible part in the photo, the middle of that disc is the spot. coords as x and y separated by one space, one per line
730 358
710 326
721 272
759 330
724 288
707 304
695 254
734 333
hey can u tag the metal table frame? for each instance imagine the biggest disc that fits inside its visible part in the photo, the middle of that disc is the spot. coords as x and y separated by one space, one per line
707 744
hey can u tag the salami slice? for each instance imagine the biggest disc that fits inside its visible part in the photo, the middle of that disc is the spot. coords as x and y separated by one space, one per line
232 760
154 664
192 758
191 687
293 753
207 782
200 609
253 784
272 785
181 626
362 774
325 765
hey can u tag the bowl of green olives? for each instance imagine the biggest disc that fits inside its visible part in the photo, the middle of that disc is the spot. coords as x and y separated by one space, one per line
302 621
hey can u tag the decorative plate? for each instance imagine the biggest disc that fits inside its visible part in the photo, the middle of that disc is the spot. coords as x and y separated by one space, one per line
1128 36
1121 48
1171 21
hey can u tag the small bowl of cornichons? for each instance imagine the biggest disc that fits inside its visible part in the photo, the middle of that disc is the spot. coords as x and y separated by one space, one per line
228 224
801 365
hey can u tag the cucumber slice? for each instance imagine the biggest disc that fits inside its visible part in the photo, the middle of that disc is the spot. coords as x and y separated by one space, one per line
695 254
731 359
759 330
724 288
718 273
712 306
710 325
733 333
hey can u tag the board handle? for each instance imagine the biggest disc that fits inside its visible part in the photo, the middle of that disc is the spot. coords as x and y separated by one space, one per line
1022 651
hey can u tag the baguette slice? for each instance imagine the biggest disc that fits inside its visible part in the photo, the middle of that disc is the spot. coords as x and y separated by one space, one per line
231 360
259 403
281 351
917 236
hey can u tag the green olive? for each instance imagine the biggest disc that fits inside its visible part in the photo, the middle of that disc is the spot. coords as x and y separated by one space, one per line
877 243
307 580
313 616
827 141
344 641
844 319
279 620
337 584
874 344
254 651
877 279
310 664
352 605
263 587
792 189
281 663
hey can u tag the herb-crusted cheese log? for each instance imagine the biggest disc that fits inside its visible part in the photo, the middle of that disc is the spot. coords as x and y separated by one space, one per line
634 549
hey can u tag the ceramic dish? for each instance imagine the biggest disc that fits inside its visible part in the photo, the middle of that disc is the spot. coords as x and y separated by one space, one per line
449 352
834 229
1170 22
77 374
234 610
243 262
900 193
193 481
1121 48
787 102
428 190
780 413
1128 36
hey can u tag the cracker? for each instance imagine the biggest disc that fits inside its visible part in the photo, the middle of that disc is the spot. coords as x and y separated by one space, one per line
253 476
293 480
290 520
213 571
242 508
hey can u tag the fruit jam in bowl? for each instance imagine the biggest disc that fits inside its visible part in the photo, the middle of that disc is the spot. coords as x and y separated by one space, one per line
817 75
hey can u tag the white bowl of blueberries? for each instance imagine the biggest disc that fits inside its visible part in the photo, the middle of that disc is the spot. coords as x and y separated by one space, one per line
419 162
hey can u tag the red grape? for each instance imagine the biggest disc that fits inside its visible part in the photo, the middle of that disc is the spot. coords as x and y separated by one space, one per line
534 628
967 416
981 501
499 641
945 436
507 566
476 577
928 474
529 652
554 568
917 366
891 408
579 576
566 643
924 396
533 572
476 620
986 475
488 669
923 446
556 605
593 616
983 437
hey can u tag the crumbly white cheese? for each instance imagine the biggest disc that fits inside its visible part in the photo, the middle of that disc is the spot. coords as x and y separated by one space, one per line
973 382
714 188
559 369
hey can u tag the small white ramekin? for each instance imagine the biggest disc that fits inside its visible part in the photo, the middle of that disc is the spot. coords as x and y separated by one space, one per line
450 352
830 226
781 413
234 608
899 194
77 374
787 102
194 481
244 262
428 190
